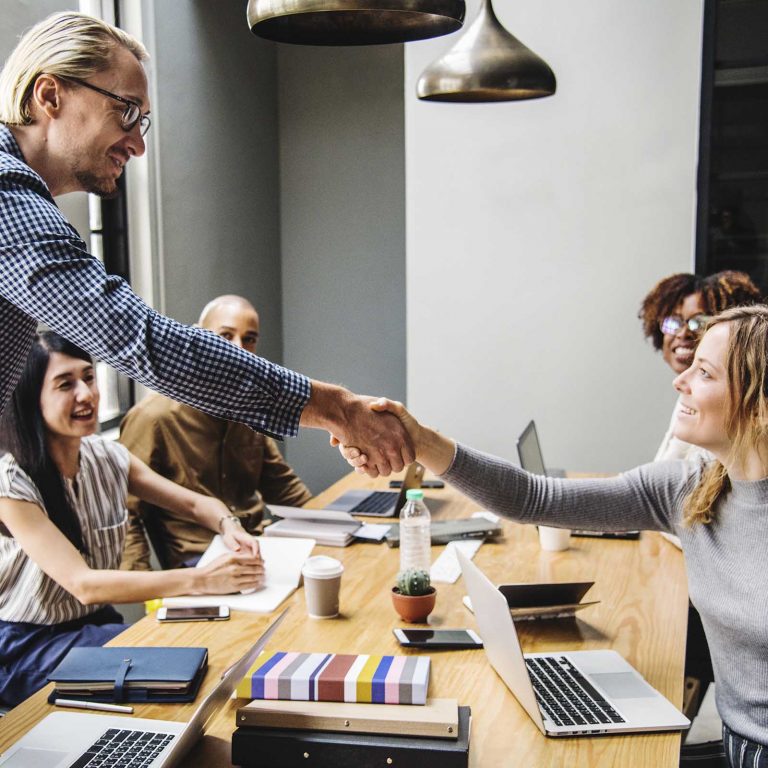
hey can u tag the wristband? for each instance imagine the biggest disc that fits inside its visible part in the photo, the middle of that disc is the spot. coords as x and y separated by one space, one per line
228 517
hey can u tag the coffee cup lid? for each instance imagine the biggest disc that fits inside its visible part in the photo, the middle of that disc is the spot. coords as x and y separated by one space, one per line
322 567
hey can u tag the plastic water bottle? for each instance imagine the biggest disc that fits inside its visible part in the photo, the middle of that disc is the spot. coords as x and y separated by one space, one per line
415 539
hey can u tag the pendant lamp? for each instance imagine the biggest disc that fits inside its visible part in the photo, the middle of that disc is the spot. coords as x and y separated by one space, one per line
353 22
487 64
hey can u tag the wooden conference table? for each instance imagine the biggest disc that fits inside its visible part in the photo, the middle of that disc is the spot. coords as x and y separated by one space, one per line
642 615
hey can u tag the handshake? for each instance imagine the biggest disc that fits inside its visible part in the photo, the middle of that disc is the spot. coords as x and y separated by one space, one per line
375 435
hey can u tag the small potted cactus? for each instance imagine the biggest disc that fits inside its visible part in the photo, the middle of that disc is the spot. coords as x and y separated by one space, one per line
413 596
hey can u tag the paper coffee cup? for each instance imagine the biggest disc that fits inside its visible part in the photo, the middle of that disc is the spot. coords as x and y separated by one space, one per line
322 580
554 539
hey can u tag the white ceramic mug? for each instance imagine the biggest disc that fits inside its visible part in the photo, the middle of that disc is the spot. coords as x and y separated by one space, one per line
554 539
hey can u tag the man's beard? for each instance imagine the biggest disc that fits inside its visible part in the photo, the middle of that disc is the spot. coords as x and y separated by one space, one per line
104 188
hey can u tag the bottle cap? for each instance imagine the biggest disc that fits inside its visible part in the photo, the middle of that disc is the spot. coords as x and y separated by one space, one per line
414 494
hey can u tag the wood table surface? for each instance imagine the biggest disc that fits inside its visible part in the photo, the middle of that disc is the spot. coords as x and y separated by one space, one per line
642 614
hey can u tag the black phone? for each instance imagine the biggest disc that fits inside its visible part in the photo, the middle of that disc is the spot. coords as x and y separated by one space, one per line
197 613
438 638
424 484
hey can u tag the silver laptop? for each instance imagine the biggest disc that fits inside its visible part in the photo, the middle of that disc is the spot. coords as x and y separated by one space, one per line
571 693
379 503
529 452
532 460
74 740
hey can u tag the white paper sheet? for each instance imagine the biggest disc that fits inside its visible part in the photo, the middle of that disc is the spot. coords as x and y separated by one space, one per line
283 559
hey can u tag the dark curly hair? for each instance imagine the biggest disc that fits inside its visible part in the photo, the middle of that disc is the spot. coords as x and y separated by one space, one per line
718 292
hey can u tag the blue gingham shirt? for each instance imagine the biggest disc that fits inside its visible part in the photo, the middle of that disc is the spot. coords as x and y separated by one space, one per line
47 275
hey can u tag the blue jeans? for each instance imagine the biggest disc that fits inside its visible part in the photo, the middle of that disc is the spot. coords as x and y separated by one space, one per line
30 652
743 753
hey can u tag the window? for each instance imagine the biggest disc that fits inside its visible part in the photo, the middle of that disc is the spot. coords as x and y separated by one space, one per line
732 227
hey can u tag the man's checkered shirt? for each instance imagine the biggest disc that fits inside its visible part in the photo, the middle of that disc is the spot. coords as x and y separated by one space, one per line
47 275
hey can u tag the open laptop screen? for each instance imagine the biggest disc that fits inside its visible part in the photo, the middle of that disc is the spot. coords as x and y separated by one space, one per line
529 450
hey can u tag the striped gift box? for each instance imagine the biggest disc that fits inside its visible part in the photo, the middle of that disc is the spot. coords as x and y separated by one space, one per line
337 677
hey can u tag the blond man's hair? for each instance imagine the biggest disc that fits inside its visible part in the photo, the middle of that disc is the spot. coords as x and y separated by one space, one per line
746 421
68 44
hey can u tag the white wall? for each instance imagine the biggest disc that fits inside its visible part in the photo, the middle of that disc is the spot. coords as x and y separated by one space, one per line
534 229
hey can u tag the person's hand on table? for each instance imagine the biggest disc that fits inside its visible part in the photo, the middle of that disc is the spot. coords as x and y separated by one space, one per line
238 539
231 572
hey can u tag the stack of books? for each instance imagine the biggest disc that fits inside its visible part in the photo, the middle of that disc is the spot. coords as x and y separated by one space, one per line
284 734
338 710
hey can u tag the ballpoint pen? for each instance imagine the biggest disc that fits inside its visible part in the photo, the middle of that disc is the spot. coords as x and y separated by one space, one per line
95 705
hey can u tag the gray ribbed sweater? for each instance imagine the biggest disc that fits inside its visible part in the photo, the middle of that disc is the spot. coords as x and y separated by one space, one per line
726 560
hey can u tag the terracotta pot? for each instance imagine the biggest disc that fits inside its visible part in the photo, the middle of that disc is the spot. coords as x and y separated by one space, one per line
414 608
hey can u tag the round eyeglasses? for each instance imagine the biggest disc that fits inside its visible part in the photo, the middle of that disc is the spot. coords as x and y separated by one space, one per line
131 114
674 323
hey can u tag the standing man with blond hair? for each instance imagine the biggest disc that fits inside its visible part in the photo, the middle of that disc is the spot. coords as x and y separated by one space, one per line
238 466
74 109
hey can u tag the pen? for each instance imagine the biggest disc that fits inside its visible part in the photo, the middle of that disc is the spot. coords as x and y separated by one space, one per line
98 706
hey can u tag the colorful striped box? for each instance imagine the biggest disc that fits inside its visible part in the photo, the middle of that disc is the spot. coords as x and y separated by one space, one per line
337 677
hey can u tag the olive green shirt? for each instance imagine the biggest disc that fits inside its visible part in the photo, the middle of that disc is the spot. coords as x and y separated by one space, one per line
212 456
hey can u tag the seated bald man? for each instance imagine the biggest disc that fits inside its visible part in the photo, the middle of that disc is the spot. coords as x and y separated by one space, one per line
212 456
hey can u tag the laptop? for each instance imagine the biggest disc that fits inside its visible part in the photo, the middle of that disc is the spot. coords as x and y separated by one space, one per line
532 460
74 740
379 503
569 693
529 451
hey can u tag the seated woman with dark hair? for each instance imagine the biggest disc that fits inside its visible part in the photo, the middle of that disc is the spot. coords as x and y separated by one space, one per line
63 520
718 510
674 313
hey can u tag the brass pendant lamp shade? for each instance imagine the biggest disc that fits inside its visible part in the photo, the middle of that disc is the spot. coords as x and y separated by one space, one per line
487 64
353 22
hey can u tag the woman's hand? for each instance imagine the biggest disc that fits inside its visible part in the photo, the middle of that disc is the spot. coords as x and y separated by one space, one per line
231 573
237 538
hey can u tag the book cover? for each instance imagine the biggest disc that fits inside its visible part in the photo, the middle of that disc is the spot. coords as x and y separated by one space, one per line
338 677
287 748
438 718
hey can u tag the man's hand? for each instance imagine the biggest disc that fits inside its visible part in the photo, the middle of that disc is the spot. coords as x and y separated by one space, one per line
351 421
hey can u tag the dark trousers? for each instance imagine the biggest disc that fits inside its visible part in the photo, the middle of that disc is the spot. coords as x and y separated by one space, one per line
743 753
30 652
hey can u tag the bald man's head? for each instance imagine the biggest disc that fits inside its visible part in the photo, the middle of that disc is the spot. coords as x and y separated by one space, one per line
234 319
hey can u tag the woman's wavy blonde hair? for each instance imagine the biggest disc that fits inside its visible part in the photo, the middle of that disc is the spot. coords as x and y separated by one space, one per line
746 421
67 44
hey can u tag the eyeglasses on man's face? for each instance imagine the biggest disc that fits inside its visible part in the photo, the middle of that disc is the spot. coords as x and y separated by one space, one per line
674 323
131 114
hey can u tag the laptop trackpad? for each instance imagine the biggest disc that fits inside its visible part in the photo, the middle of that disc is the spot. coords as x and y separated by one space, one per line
622 685
34 758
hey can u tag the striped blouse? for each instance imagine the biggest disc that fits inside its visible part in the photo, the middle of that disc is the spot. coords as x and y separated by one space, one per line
98 496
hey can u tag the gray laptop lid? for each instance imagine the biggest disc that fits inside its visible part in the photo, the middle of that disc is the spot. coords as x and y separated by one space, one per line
529 450
220 694
499 636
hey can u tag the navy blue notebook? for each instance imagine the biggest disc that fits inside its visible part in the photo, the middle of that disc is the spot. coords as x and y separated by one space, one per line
130 674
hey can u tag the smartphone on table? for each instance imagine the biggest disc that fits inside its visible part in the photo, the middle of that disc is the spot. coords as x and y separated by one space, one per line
198 613
438 638
424 484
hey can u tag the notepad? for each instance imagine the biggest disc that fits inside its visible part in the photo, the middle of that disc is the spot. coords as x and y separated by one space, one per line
130 674
283 559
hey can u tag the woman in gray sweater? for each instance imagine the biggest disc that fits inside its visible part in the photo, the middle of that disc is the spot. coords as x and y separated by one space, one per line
719 510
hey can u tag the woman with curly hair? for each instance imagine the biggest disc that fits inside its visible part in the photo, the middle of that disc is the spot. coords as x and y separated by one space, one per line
673 315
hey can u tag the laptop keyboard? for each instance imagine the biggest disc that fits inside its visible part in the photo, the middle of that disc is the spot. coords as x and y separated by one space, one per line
565 696
378 503
119 748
